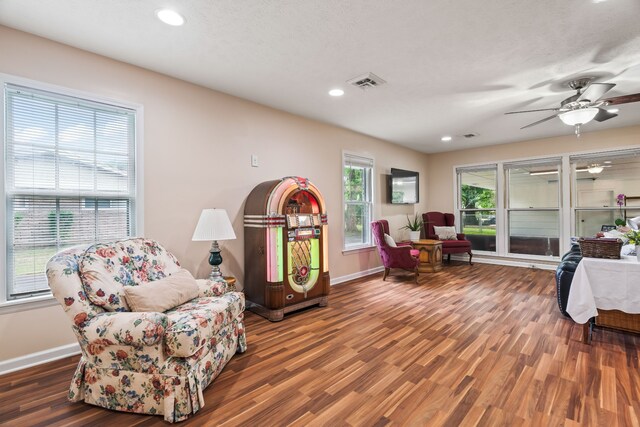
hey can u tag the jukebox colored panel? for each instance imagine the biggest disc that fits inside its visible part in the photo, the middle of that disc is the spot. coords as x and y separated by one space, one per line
275 265
304 264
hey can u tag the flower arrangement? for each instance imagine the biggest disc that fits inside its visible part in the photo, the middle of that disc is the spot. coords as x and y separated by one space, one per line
620 201
634 237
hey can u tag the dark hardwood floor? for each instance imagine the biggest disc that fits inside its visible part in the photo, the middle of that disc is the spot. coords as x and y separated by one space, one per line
470 345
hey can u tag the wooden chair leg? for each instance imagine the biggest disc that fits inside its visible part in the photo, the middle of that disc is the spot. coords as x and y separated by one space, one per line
470 256
417 274
386 273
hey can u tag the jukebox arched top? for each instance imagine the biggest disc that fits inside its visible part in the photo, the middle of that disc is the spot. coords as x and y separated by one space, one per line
292 189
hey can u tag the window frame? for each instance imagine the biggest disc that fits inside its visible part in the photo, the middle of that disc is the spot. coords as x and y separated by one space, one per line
43 300
502 219
371 202
572 160
458 200
567 202
507 166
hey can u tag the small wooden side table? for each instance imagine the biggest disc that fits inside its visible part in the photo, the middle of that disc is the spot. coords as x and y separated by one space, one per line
430 255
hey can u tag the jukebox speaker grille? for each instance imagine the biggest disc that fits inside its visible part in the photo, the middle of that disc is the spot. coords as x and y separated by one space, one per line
301 265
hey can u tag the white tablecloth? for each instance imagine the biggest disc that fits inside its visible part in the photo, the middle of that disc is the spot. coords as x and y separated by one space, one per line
609 284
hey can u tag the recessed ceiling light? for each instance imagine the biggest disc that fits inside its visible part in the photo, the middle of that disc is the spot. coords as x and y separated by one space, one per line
446 138
599 1
336 92
613 110
170 17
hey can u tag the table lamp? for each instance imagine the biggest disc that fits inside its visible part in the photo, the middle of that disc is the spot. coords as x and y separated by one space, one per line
634 223
214 225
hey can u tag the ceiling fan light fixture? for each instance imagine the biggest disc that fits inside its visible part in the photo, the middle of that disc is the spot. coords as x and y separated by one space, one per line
579 116
595 168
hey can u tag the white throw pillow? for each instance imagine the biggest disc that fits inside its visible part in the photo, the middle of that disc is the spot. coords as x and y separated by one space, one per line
446 233
390 241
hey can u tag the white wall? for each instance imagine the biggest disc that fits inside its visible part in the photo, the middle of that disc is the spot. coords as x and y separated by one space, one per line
197 149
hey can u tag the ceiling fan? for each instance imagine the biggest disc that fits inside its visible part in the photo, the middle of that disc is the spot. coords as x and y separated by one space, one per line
585 105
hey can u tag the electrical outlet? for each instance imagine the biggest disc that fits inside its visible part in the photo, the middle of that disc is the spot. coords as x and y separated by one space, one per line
254 160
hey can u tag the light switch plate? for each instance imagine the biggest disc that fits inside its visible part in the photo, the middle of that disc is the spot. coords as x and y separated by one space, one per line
254 160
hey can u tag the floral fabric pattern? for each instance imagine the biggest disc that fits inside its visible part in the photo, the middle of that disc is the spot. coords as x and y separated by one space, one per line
151 363
194 323
106 267
212 288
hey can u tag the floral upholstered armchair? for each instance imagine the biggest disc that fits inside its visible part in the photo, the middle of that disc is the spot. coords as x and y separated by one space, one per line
144 362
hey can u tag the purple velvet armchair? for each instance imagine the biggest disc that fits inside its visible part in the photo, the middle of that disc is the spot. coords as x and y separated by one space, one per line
439 219
402 256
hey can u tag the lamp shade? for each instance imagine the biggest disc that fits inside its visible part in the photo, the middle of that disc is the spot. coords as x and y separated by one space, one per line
578 117
213 224
634 223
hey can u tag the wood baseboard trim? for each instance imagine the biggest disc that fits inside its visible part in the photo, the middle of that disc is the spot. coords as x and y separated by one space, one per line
359 274
38 358
505 261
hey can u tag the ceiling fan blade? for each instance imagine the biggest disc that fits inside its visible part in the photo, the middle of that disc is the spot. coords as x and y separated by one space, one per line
604 115
572 98
624 99
540 121
533 111
594 91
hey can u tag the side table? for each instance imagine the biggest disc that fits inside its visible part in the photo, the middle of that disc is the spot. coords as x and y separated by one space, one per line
430 255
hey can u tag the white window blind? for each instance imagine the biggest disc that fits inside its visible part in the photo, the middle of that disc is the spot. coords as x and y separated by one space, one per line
70 179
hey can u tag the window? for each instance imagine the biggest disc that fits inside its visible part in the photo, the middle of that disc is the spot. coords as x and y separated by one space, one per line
357 184
598 180
533 207
512 208
70 179
477 202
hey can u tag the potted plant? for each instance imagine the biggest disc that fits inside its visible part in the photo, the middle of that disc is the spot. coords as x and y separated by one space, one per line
414 227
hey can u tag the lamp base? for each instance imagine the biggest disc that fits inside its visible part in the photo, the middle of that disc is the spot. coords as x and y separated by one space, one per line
215 259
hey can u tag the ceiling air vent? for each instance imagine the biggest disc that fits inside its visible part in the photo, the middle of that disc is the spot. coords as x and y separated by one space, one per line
470 135
366 81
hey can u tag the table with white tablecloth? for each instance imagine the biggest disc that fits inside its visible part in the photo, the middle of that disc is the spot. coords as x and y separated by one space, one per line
606 284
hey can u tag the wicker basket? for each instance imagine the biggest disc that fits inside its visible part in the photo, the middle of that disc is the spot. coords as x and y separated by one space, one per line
600 248
618 320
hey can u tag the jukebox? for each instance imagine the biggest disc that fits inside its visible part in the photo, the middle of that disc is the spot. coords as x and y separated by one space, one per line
285 248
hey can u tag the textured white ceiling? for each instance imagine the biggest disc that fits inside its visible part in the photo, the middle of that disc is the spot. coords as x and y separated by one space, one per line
452 66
